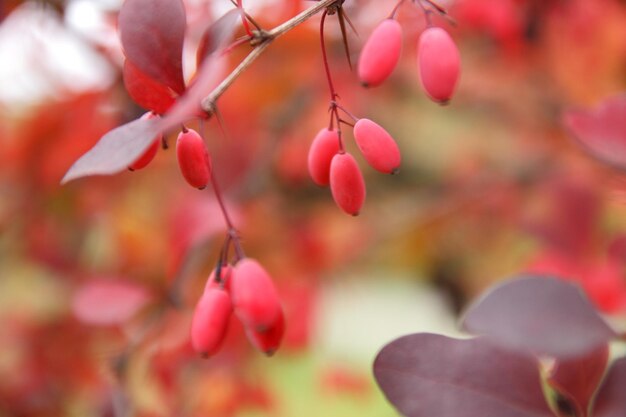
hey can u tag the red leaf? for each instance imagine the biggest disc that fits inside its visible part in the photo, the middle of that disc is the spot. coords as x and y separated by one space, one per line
188 105
108 302
546 316
217 35
146 92
428 375
577 379
611 401
116 150
152 33
601 131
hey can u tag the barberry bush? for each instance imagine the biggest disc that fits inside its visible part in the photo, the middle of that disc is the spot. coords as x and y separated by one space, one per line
224 198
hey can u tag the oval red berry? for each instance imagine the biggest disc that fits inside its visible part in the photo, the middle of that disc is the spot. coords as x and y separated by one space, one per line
381 53
439 64
324 146
269 340
193 158
210 321
254 295
346 183
377 146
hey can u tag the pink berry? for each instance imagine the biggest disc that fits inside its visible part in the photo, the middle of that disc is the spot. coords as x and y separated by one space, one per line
254 295
439 64
210 321
149 153
346 183
377 146
193 158
324 146
269 340
381 53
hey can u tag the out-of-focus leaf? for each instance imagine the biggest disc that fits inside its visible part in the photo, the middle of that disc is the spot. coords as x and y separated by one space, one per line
601 131
108 302
115 150
217 35
146 92
611 401
577 379
153 32
428 375
543 315
206 78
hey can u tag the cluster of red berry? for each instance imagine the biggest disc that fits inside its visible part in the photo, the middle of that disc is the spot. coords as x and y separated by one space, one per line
328 162
154 79
247 290
438 59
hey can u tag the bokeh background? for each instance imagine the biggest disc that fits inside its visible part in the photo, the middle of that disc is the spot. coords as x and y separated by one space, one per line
98 278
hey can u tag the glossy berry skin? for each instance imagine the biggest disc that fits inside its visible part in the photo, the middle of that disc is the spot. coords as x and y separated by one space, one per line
439 64
324 146
193 159
346 183
377 146
254 296
210 321
149 153
269 340
381 53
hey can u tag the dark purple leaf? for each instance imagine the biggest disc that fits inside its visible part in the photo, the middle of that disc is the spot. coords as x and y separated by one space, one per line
146 92
207 77
611 399
153 32
577 379
601 131
543 315
428 375
116 150
217 35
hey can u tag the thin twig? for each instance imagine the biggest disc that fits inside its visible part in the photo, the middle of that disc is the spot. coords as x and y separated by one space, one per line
265 38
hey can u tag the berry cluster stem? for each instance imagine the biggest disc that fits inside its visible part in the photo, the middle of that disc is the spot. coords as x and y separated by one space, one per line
261 41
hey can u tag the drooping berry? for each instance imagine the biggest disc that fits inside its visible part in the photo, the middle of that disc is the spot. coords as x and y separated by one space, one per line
149 153
346 183
381 53
439 64
377 146
193 158
324 146
254 295
269 340
210 321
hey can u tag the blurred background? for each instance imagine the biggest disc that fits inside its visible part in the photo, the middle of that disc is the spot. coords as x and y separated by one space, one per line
98 278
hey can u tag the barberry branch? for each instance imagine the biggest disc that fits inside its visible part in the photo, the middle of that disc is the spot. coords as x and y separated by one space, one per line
261 41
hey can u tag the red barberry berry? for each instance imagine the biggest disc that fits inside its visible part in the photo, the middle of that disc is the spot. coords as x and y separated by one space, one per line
210 321
193 158
324 146
149 153
269 340
254 295
377 146
381 53
439 64
346 183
